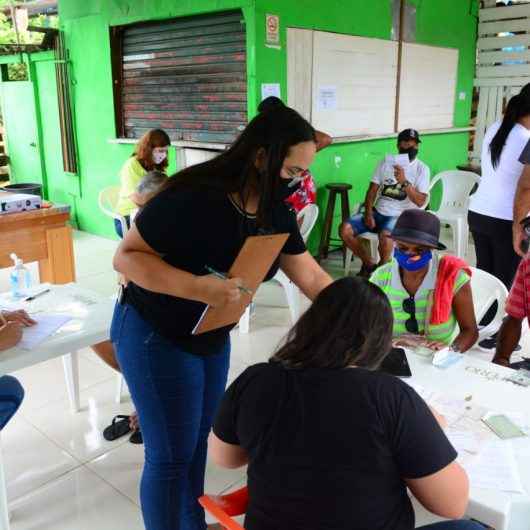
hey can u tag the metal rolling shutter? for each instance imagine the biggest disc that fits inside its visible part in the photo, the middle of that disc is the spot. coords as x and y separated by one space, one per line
186 76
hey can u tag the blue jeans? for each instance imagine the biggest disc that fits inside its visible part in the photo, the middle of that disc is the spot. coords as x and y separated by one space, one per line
11 396
382 222
461 524
176 395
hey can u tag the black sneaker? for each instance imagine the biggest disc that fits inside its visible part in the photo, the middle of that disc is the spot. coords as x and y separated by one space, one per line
490 344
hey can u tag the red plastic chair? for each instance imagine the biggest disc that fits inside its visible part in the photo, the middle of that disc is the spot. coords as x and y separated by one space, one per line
224 507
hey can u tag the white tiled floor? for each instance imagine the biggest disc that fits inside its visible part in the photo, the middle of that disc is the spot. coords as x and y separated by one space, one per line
61 473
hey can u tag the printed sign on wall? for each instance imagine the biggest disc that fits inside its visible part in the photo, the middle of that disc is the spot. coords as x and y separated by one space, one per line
327 97
272 28
270 89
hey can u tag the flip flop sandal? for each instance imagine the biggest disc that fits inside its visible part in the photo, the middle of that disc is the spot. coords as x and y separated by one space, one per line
118 428
136 437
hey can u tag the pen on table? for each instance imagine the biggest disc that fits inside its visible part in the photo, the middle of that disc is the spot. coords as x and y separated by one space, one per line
32 297
222 276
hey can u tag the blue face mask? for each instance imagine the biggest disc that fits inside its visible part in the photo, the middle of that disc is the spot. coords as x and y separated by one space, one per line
412 262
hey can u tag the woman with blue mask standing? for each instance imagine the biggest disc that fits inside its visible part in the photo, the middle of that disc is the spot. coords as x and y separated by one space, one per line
200 220
430 296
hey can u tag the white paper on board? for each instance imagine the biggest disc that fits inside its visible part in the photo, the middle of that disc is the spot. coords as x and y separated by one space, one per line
270 89
327 97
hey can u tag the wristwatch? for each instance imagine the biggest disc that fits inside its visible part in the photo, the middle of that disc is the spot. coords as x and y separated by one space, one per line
405 184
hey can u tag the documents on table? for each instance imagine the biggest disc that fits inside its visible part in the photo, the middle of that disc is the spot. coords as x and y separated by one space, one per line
46 326
494 468
74 302
489 461
463 441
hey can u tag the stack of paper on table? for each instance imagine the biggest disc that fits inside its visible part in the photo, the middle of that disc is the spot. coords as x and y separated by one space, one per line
488 461
494 468
77 302
46 326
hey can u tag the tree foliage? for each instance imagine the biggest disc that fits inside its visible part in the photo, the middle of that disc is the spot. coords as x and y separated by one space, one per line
8 35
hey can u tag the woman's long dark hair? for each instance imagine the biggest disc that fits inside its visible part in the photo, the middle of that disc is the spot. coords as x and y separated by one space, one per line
274 131
349 323
517 107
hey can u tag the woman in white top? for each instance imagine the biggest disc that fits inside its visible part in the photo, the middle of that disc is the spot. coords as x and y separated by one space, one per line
491 207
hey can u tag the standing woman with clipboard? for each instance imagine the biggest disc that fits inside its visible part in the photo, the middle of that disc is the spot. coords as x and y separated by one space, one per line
201 219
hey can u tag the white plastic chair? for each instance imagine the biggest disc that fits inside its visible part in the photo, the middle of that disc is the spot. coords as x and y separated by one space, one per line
373 239
486 290
457 186
107 201
309 216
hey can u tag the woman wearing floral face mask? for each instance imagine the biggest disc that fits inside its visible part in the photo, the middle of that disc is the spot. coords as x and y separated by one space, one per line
150 154
430 296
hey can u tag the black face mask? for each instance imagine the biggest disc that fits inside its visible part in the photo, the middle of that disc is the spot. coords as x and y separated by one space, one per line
411 151
286 188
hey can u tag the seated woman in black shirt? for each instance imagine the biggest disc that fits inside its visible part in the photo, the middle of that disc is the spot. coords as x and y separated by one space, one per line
330 442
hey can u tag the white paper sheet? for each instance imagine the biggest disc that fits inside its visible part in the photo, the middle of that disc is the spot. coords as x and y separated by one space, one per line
327 97
398 160
46 326
270 89
495 468
463 441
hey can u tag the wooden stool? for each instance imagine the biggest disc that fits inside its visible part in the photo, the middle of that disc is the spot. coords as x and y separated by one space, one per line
342 191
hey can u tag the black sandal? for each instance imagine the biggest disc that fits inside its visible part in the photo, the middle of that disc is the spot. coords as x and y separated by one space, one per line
366 271
136 437
118 428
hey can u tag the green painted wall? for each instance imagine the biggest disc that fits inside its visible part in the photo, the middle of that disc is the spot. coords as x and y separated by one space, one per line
86 26
449 23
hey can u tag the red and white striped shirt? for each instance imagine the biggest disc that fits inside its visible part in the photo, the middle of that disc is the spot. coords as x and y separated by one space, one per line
518 302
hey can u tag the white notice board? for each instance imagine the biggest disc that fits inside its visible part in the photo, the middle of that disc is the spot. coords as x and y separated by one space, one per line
427 86
354 84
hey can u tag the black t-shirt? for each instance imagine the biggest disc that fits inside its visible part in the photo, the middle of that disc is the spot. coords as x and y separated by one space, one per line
192 230
525 154
329 449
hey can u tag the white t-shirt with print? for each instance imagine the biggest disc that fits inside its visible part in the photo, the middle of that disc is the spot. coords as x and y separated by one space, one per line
496 190
393 199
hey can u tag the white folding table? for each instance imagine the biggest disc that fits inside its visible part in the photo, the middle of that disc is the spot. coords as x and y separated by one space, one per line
486 383
91 317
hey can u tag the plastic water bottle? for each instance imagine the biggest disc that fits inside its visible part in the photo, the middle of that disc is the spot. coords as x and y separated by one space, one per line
20 278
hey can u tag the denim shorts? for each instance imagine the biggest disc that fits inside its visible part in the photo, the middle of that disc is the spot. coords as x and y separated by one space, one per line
382 222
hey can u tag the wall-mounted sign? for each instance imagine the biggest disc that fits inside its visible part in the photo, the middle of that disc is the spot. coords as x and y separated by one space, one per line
272 28
327 97
270 89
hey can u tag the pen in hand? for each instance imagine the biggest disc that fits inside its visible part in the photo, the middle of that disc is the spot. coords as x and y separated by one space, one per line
222 276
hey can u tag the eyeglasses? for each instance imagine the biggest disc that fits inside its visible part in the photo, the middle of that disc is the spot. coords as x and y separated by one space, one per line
411 324
295 172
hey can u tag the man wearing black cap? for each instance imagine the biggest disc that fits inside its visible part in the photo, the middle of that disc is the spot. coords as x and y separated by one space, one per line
397 188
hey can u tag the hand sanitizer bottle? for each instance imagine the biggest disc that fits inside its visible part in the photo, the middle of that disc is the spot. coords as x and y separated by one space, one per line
20 278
